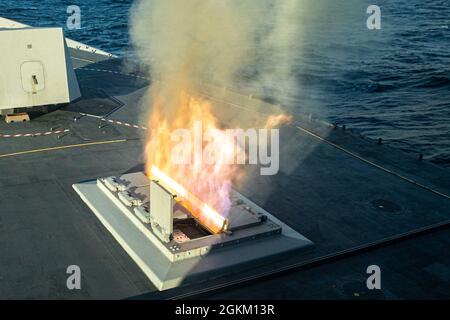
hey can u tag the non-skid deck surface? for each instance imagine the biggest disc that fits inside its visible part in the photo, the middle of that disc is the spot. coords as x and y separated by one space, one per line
326 194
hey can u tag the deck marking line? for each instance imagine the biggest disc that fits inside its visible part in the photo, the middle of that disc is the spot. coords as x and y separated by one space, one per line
36 134
126 124
62 147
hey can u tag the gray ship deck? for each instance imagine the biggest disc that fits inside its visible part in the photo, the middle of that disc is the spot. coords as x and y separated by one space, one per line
339 189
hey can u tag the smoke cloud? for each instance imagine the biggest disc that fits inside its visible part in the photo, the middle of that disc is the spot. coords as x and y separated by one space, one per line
246 45
265 48
237 43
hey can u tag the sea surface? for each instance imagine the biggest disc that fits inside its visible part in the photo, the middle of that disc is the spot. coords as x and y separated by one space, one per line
392 83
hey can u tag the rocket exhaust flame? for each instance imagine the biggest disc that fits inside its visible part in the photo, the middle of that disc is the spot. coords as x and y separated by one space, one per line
181 166
208 217
184 43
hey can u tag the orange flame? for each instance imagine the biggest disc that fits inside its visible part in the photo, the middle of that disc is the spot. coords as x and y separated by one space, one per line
207 216
202 186
186 164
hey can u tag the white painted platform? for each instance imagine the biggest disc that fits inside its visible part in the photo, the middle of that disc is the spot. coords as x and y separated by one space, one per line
165 274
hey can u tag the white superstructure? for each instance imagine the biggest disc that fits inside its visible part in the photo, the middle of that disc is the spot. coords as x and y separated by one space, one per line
36 68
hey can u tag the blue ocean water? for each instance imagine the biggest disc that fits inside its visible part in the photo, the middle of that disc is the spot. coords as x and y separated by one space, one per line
392 83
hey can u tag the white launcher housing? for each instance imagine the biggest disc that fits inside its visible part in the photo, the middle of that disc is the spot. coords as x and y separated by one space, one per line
36 69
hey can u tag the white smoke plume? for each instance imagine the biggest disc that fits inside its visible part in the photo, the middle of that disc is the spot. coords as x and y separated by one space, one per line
246 44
